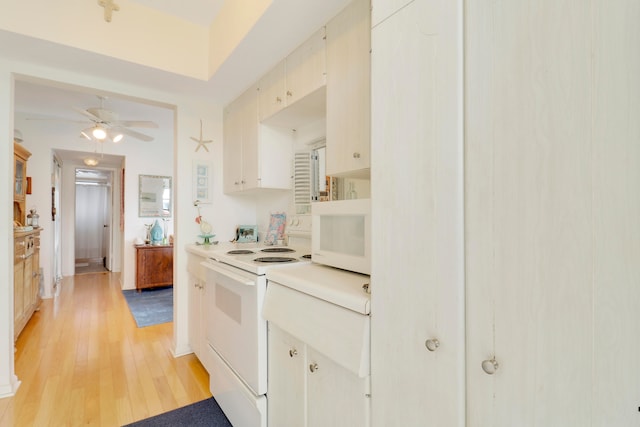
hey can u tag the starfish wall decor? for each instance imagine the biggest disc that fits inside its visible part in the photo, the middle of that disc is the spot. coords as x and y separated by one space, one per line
109 8
200 141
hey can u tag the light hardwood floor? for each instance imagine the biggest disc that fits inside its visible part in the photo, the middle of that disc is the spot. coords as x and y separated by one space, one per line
83 361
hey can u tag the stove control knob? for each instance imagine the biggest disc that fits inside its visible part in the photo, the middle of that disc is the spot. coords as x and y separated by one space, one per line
490 366
314 367
432 344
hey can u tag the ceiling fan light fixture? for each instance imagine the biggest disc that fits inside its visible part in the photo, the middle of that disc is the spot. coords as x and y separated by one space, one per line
91 161
99 133
117 137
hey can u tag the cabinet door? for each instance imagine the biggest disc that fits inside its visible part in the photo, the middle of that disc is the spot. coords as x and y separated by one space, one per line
529 216
250 150
348 90
20 177
419 295
232 148
306 68
271 92
195 317
335 396
286 393
18 292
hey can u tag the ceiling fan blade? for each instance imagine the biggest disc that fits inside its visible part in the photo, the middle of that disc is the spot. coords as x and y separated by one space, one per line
137 124
91 116
133 133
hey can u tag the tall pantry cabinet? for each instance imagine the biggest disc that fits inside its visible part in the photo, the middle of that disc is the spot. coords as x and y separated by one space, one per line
535 320
552 167
417 279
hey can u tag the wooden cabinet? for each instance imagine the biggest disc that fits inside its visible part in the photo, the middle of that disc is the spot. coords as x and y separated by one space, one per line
255 156
348 91
26 285
154 266
295 77
20 157
307 389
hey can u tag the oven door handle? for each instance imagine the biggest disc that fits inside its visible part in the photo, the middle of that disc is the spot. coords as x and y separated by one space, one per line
225 272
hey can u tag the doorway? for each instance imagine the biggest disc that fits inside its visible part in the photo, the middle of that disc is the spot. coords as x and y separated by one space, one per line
93 209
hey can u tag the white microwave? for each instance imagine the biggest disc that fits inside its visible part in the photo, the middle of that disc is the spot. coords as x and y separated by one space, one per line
341 234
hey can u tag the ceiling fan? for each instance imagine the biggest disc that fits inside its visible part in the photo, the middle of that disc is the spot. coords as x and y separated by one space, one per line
107 126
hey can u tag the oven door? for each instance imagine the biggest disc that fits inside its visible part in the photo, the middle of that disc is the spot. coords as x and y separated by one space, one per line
235 328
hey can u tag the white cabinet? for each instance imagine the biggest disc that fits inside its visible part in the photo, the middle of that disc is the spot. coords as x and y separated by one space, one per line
348 91
551 216
308 389
287 379
546 280
197 308
295 77
417 291
254 155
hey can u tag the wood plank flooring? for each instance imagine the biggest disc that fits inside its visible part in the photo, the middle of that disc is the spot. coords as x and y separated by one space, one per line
83 361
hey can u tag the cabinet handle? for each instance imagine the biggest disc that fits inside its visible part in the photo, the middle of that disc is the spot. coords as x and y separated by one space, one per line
356 155
313 367
490 366
293 352
432 344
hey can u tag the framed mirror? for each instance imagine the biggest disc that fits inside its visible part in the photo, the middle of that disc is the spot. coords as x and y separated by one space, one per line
154 196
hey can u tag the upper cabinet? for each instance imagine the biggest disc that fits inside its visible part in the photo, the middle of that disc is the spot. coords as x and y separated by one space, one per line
348 91
292 79
20 157
254 155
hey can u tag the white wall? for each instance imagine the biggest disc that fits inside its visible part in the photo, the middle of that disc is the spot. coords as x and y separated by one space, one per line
223 212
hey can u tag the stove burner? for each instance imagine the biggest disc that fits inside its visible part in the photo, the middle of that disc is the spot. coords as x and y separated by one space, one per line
274 259
307 256
240 252
277 250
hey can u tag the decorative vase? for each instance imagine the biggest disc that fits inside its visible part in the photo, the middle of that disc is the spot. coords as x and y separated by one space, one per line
157 233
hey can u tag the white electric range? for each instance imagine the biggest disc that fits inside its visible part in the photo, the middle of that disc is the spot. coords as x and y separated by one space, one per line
236 331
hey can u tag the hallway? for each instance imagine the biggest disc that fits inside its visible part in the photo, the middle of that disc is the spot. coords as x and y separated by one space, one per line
83 361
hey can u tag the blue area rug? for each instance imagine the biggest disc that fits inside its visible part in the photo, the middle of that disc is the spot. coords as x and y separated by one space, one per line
205 413
151 306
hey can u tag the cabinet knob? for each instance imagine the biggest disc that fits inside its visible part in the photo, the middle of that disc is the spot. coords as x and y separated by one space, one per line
289 93
278 99
356 155
236 183
313 367
432 344
490 366
293 352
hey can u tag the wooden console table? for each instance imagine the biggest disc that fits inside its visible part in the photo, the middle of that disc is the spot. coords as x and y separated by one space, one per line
154 266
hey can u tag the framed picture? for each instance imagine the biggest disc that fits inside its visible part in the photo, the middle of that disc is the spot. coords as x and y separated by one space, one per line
202 181
247 233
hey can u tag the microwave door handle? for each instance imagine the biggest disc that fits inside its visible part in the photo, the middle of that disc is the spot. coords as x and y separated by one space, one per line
223 271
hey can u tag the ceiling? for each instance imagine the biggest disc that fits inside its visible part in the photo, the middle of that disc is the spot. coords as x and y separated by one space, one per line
258 52
201 12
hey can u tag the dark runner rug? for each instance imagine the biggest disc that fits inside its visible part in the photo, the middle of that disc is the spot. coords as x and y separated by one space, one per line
205 413
151 306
